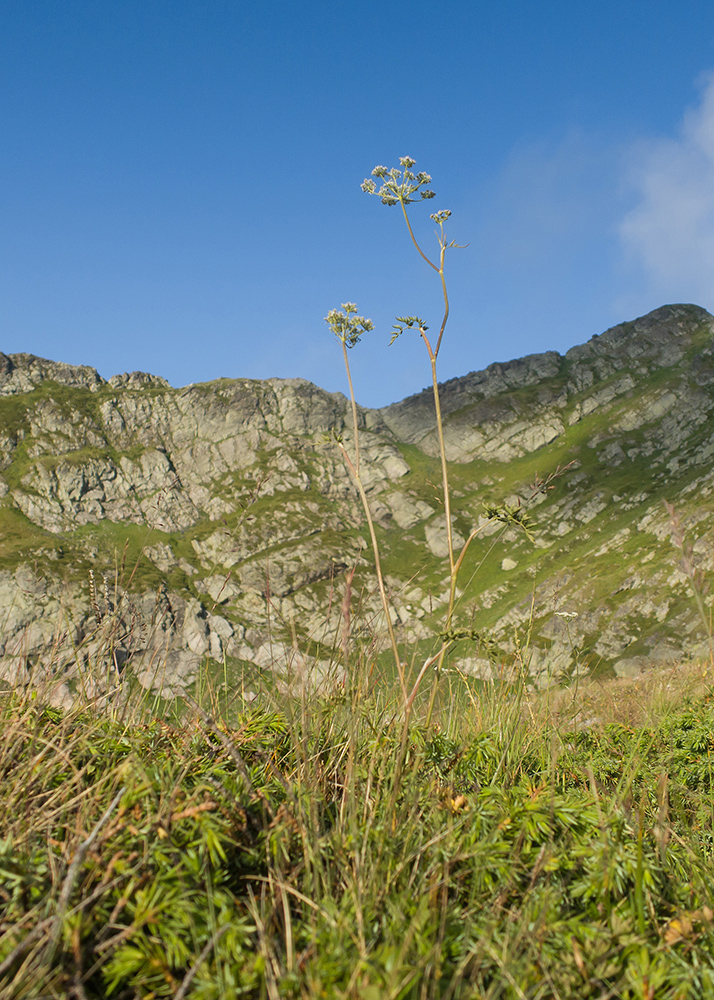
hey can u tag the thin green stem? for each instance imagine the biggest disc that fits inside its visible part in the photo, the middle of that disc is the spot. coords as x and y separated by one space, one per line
433 354
454 566
411 233
354 405
445 293
449 533
439 270
408 705
378 567
442 453
450 613
354 469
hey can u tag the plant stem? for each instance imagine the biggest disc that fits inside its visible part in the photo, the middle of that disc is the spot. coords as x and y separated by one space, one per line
408 705
445 294
449 616
354 405
433 354
411 233
354 469
444 469
439 270
378 568
453 567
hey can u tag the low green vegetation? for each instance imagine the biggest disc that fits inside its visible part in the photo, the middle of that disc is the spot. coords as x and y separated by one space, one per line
517 854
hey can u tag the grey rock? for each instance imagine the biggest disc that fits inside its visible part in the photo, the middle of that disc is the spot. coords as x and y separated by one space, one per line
24 372
437 540
406 510
136 380
246 479
631 666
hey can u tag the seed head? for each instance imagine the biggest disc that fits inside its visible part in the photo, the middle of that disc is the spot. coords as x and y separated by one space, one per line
398 186
347 326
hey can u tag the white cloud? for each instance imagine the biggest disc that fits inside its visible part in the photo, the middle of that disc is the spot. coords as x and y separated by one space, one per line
669 234
547 201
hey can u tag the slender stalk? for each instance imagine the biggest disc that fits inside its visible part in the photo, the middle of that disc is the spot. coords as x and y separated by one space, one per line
444 292
414 240
391 192
453 571
354 405
408 705
439 658
378 567
433 354
450 612
439 270
348 328
442 455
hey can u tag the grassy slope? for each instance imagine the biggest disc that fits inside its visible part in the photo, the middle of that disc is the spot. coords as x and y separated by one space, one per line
589 583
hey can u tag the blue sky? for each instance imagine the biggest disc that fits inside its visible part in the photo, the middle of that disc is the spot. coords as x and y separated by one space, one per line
180 181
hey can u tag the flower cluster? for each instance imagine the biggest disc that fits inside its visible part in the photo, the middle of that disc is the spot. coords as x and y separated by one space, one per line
347 326
399 185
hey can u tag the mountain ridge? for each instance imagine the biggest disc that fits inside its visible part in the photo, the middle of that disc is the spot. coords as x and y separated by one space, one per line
239 518
34 369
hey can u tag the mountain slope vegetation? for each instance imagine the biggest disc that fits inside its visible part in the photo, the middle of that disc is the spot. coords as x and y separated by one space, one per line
217 523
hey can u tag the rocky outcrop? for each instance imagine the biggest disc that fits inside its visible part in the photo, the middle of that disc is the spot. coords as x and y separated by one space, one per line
58 639
21 373
224 520
512 409
170 458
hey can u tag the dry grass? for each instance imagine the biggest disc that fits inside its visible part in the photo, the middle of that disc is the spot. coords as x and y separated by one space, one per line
632 702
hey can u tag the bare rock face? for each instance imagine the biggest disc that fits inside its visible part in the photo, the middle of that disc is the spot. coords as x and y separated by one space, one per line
54 636
156 531
512 409
87 459
68 493
24 372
